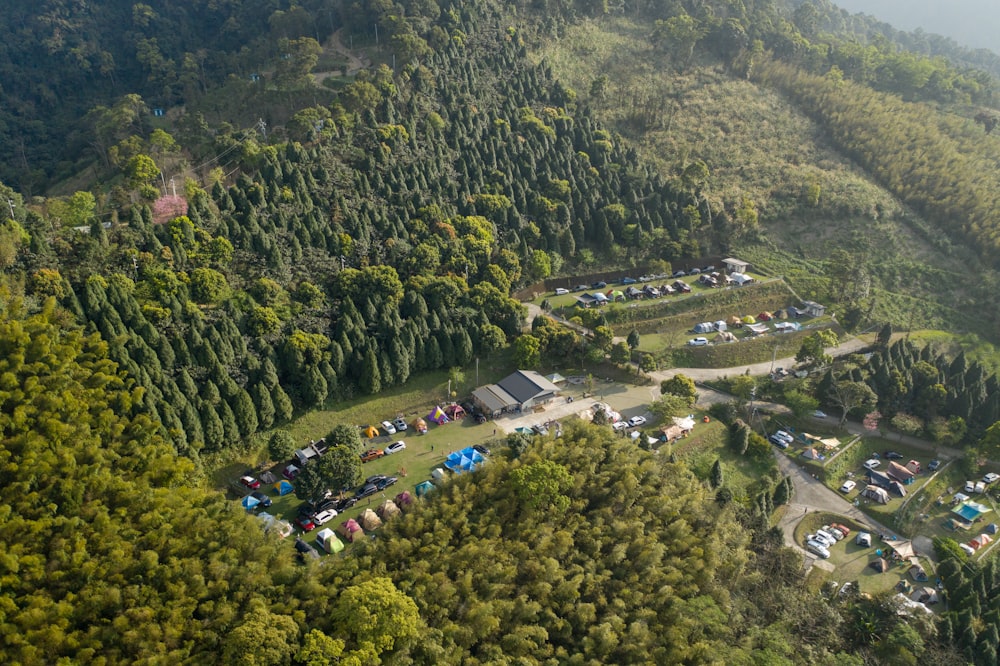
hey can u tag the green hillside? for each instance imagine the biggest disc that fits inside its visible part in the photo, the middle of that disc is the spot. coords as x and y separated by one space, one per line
330 216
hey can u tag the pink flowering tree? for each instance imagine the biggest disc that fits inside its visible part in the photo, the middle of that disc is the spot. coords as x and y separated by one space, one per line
871 421
168 207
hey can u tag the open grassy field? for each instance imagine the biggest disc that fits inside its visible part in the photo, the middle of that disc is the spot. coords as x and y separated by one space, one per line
850 560
811 199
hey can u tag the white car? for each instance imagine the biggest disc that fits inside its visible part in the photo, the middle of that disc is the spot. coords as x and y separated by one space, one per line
389 428
323 517
848 486
992 477
400 425
970 486
825 537
969 550
561 292
781 434
395 447
819 414
818 549
618 426
872 463
636 421
697 342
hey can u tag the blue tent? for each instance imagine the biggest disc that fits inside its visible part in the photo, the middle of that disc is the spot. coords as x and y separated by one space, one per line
423 488
250 502
283 487
465 460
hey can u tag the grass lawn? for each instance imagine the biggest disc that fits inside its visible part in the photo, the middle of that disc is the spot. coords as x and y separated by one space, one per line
744 475
851 560
839 470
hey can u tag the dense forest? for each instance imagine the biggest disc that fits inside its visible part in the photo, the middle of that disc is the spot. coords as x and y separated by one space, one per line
220 272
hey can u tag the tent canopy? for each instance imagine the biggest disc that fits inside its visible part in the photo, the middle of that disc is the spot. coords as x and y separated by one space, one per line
438 416
879 565
903 549
454 411
747 319
404 499
249 502
387 510
369 520
283 487
350 529
420 425
423 488
371 431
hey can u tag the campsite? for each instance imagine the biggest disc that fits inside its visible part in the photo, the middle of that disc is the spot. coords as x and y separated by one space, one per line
851 561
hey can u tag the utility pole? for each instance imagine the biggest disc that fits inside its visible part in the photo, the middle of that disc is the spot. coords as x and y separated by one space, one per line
10 202
262 126
477 371
173 186
376 34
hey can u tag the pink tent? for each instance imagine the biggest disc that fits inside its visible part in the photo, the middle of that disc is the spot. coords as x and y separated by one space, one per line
351 530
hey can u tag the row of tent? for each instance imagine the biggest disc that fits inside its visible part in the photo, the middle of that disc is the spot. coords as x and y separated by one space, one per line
438 416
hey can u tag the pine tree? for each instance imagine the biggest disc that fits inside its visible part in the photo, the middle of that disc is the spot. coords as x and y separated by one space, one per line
371 377
715 477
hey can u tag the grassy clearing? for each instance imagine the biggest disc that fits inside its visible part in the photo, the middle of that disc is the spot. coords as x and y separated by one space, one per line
851 560
757 145
744 475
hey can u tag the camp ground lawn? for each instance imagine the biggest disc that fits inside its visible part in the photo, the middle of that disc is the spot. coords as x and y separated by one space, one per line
851 561
851 461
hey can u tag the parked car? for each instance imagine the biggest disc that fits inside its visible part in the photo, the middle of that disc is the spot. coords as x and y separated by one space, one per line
323 517
305 522
817 548
848 486
599 285
386 482
697 342
822 537
366 491
540 429
389 428
992 477
934 465
819 414
892 455
970 487
872 464
843 528
694 271
400 425
679 274
636 421
482 449
250 482
777 441
561 292
345 504
708 269
375 478
580 287
618 426
832 531
372 454
629 280
264 500
781 434
395 447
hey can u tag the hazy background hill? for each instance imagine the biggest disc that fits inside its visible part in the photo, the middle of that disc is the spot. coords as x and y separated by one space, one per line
973 23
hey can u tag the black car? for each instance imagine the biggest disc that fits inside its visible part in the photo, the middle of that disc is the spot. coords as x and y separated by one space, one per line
366 491
385 482
328 504
482 449
373 479
934 465
307 509
599 285
345 504
305 550
264 500
892 455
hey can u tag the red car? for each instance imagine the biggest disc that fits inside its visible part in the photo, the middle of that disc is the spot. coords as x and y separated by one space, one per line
250 482
306 523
